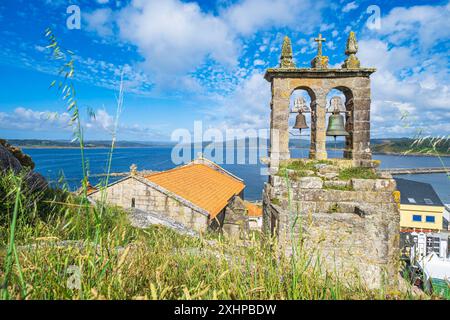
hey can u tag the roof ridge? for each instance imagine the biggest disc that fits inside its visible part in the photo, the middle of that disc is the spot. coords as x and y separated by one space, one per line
165 171
217 166
199 164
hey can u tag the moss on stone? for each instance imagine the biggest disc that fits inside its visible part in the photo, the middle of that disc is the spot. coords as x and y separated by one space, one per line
357 173
301 166
276 201
334 208
341 188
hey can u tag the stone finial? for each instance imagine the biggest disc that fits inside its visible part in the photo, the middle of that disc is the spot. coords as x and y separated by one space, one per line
286 60
352 62
320 61
133 169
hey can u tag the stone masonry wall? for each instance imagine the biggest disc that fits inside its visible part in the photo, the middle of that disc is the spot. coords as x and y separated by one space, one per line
354 231
151 200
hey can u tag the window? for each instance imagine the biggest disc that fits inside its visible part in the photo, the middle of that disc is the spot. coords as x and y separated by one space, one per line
412 200
417 218
428 201
133 202
430 219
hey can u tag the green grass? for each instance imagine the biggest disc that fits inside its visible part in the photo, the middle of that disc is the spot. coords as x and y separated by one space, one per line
156 263
300 167
357 173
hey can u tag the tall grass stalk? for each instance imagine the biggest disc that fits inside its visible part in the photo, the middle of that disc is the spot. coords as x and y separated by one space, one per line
11 253
67 90
119 107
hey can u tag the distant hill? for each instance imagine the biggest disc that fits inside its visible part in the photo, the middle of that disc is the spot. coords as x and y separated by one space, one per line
392 145
388 145
36 143
407 145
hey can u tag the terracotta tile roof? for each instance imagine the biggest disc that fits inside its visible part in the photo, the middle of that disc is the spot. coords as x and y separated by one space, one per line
90 190
200 184
253 210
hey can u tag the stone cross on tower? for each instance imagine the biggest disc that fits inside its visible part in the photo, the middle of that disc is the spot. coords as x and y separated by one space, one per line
319 40
320 61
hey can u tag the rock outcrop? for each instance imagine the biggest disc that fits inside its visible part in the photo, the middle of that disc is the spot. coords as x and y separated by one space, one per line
12 158
24 159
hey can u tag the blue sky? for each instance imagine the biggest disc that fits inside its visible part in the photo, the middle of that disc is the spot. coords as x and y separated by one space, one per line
203 60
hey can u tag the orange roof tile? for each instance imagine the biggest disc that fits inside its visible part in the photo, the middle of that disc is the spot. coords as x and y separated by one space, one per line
90 190
200 184
253 210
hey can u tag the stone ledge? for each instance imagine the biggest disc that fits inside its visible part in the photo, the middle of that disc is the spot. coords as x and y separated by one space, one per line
373 184
316 73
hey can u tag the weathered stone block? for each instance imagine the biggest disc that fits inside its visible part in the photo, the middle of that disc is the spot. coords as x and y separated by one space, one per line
336 183
363 184
310 183
329 175
384 175
328 169
385 184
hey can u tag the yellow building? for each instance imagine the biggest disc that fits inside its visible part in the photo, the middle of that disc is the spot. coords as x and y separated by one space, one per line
421 210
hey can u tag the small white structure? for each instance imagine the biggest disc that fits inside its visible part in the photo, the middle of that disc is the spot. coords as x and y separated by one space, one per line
255 216
436 272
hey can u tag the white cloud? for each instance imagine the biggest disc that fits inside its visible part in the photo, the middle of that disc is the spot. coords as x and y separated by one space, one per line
28 119
176 37
425 24
411 77
248 16
102 120
101 21
350 6
258 62
247 107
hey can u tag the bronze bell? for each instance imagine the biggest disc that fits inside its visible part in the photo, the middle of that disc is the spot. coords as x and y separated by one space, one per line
336 126
300 122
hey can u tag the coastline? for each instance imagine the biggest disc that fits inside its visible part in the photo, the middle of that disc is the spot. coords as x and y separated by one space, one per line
78 148
416 154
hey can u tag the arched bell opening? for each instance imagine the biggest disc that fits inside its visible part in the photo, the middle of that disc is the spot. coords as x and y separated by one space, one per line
339 123
301 124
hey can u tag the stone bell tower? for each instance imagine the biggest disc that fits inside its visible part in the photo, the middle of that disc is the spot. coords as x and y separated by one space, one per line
352 80
341 210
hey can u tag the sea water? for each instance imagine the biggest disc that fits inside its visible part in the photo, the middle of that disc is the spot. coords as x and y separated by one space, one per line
65 165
